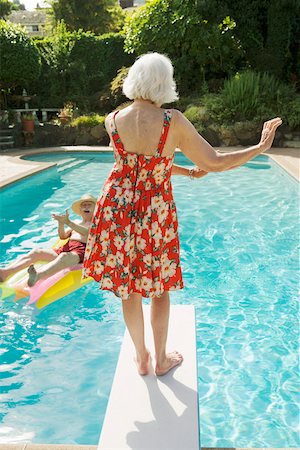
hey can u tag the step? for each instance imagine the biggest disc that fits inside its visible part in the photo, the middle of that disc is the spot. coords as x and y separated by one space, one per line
71 165
63 162
6 145
150 412
6 138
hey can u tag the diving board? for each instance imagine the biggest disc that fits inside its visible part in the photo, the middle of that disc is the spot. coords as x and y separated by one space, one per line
155 413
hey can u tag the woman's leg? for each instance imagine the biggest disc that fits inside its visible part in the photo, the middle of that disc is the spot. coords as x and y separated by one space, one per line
25 260
160 312
134 319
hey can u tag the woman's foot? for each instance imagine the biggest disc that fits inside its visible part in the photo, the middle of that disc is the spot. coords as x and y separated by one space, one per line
172 360
33 275
143 363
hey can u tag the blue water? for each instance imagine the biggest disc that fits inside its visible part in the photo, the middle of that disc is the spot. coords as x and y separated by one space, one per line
239 252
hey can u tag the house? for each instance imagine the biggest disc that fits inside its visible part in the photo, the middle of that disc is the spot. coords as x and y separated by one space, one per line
33 21
131 3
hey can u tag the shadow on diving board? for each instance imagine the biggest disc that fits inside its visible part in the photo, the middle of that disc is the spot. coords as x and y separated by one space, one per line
155 413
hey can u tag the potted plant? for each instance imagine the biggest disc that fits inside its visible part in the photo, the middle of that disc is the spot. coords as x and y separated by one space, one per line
66 113
27 120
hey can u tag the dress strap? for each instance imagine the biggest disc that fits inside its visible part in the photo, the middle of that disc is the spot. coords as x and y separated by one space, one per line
114 133
164 132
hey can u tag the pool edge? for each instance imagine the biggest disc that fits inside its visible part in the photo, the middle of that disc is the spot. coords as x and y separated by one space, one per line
20 168
30 446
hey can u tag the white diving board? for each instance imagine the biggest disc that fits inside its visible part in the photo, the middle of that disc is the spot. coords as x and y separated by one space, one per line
155 413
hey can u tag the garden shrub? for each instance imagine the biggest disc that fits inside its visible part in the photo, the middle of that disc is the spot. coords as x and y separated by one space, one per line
88 121
77 65
252 96
199 49
20 60
116 86
198 116
290 113
96 59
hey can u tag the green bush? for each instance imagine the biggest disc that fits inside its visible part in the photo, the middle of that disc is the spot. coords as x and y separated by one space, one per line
199 48
117 84
20 60
290 113
77 65
252 96
88 121
198 116
53 85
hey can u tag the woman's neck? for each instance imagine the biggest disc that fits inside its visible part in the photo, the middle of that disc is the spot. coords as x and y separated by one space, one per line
144 102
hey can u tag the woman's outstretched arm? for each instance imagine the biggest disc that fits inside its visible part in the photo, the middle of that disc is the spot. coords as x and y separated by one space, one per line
201 153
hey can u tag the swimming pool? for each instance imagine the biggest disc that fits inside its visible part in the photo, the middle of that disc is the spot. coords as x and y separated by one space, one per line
238 233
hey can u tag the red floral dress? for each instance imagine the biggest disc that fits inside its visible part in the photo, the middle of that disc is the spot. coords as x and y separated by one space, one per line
133 243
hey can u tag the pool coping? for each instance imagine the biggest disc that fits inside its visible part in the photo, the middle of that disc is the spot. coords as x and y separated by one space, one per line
16 168
30 446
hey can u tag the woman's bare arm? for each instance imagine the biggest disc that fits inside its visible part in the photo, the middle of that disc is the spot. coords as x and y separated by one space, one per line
201 153
185 171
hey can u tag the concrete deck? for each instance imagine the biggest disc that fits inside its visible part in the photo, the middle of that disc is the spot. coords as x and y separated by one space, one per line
13 168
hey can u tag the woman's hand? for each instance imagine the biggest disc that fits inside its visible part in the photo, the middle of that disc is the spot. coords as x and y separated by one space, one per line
62 218
268 133
198 173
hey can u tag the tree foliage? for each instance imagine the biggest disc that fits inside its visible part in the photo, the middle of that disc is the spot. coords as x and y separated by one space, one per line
20 60
269 32
5 8
77 64
98 16
209 39
199 48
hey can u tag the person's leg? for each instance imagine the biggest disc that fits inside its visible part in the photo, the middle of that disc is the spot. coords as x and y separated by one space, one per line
25 260
61 262
160 312
134 320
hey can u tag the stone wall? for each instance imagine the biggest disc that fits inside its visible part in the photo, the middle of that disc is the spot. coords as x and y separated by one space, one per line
239 134
48 135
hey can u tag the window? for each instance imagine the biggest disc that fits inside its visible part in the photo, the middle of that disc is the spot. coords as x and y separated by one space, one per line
35 28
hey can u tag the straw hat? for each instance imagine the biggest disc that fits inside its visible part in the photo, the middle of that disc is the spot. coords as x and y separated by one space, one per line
84 198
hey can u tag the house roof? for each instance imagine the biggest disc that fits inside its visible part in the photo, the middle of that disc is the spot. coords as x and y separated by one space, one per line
28 17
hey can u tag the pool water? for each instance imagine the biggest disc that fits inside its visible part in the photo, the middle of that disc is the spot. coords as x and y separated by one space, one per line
239 253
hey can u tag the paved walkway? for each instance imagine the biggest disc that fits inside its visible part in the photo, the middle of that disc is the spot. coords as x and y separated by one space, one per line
13 168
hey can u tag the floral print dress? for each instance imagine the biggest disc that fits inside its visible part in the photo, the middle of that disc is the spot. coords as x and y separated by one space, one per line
133 243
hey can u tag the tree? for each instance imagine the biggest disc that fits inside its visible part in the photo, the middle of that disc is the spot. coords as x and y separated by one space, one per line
5 8
18 6
20 60
99 16
200 48
269 32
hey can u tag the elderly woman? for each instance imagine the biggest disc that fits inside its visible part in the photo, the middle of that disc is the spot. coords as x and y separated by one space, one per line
133 244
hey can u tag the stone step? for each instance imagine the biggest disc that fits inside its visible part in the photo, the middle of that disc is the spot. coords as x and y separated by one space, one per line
6 146
5 138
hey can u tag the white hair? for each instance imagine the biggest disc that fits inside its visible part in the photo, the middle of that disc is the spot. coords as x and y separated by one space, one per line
151 78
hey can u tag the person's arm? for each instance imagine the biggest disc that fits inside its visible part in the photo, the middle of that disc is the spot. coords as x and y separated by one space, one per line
61 231
63 219
81 229
201 153
193 172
